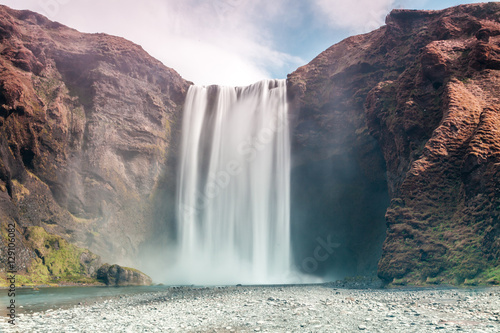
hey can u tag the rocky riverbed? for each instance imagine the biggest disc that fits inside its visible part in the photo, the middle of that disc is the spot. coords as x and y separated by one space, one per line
316 308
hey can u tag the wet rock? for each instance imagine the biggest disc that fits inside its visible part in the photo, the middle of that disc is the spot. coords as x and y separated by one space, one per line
115 275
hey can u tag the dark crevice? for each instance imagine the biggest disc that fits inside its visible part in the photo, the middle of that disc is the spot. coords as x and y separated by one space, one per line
28 156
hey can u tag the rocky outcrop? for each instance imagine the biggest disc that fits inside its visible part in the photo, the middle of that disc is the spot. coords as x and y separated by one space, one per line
425 87
115 275
396 149
86 123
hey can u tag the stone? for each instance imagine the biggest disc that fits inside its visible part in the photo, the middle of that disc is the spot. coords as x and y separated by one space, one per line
115 275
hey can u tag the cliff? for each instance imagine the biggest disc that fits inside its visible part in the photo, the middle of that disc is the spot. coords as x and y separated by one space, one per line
396 149
86 134
420 94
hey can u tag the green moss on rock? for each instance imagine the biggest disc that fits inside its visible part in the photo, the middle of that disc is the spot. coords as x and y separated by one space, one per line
57 260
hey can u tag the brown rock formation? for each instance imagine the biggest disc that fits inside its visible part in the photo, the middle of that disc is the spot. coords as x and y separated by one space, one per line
426 86
86 123
116 275
405 117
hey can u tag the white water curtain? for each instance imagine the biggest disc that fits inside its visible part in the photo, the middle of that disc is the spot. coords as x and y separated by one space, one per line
234 186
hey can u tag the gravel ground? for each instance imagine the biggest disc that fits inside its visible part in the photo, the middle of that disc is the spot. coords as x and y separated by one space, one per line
317 308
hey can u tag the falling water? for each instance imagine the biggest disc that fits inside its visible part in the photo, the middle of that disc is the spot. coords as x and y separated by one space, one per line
234 185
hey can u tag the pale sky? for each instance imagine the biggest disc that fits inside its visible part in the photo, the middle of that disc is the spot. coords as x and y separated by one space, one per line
227 42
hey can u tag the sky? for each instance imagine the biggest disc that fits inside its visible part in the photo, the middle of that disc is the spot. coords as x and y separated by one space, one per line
227 42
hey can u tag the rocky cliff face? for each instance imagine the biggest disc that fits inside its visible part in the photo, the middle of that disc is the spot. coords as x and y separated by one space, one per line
86 123
420 94
396 148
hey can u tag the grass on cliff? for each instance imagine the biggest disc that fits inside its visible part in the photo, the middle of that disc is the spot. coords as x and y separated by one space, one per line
492 275
56 260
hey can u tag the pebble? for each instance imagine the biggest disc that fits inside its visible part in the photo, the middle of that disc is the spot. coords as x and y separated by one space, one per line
311 308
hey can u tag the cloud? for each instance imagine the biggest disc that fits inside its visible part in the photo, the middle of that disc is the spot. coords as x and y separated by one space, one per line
358 16
206 63
226 42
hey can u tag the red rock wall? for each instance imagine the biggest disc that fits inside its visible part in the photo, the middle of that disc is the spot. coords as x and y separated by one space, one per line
86 123
426 87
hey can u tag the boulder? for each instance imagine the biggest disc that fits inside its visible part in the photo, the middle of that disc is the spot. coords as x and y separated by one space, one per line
115 275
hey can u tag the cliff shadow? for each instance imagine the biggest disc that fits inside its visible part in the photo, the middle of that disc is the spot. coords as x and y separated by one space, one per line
338 206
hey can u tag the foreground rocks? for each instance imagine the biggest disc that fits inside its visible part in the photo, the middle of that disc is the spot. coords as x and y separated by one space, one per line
279 309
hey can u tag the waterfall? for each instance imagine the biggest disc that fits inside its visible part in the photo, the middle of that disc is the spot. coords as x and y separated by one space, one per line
234 186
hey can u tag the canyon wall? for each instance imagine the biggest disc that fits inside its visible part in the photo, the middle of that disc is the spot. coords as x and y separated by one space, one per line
418 101
395 146
86 128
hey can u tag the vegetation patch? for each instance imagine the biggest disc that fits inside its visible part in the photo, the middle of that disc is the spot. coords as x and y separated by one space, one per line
56 261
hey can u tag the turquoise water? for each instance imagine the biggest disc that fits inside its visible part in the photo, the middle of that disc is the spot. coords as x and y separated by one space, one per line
28 300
